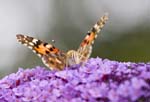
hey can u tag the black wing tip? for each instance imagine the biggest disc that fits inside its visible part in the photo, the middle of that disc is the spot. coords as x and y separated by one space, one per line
19 36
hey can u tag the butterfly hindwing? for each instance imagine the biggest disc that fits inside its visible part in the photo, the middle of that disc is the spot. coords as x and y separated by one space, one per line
51 56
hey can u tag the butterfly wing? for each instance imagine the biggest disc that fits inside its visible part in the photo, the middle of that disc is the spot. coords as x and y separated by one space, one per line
51 56
85 47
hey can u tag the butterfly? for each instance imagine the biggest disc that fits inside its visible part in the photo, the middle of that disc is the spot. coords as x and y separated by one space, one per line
56 59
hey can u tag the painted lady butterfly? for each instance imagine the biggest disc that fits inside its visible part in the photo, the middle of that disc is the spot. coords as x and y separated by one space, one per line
53 58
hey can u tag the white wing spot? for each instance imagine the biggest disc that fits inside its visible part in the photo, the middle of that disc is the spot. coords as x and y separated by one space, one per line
34 40
96 36
48 46
25 44
30 47
31 44
39 55
96 26
34 51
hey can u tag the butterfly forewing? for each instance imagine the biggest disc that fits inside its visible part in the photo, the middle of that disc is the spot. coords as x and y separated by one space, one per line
51 56
85 47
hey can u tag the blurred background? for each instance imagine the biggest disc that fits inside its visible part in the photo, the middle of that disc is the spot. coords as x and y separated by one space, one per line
125 37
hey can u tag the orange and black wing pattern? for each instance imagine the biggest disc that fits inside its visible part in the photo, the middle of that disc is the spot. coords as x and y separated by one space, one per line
85 47
51 56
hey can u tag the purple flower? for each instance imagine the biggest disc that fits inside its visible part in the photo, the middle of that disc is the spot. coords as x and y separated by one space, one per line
97 81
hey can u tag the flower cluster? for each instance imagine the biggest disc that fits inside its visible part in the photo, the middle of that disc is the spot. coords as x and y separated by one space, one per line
98 80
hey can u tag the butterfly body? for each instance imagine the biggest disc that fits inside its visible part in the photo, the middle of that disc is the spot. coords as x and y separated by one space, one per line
54 58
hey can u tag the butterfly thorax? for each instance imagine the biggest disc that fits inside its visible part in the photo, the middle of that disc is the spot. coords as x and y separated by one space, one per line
73 57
